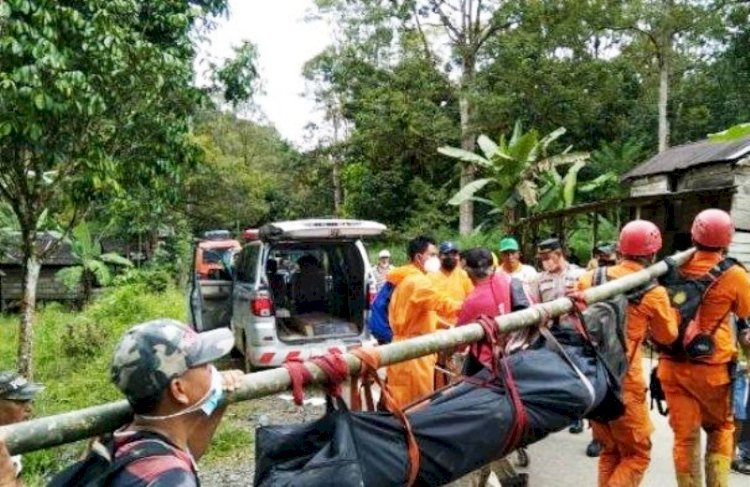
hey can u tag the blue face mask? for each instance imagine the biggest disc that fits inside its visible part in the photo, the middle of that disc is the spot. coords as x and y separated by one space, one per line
207 404
215 394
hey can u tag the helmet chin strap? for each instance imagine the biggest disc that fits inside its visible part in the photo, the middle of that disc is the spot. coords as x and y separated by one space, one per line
187 410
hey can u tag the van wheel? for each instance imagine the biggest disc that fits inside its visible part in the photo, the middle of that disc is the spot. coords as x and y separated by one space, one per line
247 367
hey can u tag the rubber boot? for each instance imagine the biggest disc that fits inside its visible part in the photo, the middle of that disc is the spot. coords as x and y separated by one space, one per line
696 470
717 470
685 480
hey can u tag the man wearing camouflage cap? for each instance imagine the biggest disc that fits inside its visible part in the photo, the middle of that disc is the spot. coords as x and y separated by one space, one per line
164 370
16 395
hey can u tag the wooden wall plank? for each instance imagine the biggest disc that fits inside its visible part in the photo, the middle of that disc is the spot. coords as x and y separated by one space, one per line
650 185
710 176
741 211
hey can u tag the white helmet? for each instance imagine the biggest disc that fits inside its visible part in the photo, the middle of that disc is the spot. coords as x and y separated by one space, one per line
384 253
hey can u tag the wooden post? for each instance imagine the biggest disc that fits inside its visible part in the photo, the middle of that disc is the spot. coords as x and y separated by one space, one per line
595 226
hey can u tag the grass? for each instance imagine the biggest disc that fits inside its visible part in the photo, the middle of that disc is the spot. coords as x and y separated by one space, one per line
72 352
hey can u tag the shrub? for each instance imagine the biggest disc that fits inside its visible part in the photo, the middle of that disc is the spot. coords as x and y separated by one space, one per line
73 352
153 279
84 338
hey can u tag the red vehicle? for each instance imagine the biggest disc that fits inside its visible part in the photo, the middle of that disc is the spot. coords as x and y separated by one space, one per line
213 255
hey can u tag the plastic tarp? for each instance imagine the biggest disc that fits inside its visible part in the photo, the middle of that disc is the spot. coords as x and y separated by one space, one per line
458 430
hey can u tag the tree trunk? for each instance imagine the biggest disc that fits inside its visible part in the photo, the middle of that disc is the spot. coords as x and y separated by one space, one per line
335 164
468 142
664 56
663 101
87 286
31 270
337 197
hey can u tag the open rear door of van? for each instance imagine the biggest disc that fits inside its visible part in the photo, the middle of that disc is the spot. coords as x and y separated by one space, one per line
210 304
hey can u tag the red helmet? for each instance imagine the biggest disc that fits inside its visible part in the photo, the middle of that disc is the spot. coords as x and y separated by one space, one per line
639 238
713 228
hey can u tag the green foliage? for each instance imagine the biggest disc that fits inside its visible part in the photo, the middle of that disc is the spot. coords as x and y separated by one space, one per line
235 79
154 279
249 176
84 339
521 173
429 213
93 265
75 371
732 133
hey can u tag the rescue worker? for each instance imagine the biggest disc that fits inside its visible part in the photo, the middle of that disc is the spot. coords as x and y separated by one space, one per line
382 269
603 255
558 279
453 281
626 442
413 311
494 294
16 396
510 253
698 390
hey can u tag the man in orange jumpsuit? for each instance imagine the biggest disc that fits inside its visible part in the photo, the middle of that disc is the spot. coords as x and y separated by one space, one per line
698 390
413 311
626 442
451 279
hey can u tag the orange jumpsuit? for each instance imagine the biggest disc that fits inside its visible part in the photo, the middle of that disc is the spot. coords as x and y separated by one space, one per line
413 311
626 441
698 393
456 284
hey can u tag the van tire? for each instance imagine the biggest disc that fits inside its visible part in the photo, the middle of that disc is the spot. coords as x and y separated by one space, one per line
247 367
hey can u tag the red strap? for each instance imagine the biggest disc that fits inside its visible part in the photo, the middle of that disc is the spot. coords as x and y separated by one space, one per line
300 376
370 358
579 300
491 338
335 368
520 422
332 364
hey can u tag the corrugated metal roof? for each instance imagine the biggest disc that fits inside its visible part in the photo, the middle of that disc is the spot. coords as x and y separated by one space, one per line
685 156
61 256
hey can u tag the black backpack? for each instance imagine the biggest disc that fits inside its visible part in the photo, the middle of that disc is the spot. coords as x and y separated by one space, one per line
604 323
686 295
99 468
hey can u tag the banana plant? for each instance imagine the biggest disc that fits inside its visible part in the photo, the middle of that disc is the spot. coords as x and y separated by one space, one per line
560 192
732 133
93 263
516 168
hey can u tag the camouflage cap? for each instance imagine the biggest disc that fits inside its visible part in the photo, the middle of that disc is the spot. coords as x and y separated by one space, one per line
151 354
15 387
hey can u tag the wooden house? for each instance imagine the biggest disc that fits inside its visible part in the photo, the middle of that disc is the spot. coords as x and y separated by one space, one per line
48 288
689 178
669 189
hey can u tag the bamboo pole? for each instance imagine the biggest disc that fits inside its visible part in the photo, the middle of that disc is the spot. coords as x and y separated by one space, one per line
55 430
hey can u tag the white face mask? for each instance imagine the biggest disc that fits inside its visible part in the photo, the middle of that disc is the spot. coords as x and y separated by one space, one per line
432 264
208 403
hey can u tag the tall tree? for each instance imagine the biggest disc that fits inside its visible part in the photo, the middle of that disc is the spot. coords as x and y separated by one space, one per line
95 95
467 24
319 73
461 26
669 27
